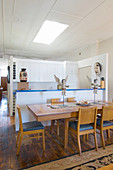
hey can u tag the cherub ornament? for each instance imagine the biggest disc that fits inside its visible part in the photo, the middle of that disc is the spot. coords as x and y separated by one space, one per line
62 84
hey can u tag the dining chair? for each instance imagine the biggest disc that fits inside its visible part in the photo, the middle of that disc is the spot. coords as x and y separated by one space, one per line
105 123
71 99
86 124
29 128
55 101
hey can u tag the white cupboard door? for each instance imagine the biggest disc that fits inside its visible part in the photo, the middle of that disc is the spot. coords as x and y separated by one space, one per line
60 70
43 72
51 71
35 72
72 72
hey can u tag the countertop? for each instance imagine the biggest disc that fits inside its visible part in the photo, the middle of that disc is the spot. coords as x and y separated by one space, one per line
50 90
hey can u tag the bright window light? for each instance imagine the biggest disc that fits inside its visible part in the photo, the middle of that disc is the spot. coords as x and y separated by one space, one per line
49 31
4 73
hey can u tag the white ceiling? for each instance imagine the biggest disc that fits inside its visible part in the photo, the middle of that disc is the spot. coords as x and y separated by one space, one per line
89 21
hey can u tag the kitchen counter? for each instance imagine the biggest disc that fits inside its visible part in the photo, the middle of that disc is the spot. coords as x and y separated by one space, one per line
50 90
24 97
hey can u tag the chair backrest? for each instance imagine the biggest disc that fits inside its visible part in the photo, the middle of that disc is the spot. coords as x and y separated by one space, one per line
71 99
56 100
107 113
87 115
20 118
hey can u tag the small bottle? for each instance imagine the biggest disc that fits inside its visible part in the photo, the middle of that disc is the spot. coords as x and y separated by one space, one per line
102 83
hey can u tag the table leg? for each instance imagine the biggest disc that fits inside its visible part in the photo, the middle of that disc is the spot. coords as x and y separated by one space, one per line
52 124
66 132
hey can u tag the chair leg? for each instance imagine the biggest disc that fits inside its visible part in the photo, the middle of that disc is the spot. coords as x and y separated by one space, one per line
43 141
102 138
18 149
52 124
79 146
57 127
86 136
18 137
95 138
108 133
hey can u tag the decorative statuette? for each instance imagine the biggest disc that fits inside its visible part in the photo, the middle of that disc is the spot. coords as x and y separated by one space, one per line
23 75
62 84
97 68
95 85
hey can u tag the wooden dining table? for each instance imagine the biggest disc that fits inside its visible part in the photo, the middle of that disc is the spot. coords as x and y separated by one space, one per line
44 112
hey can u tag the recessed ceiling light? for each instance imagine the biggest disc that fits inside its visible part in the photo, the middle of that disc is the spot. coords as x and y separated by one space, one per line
49 31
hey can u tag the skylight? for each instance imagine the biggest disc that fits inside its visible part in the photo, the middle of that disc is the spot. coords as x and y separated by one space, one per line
49 31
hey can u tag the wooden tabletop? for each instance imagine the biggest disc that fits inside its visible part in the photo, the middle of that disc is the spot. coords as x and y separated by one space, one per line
42 111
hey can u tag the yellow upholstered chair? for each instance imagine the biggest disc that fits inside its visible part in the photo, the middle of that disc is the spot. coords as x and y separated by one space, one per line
55 101
29 128
86 124
104 122
71 99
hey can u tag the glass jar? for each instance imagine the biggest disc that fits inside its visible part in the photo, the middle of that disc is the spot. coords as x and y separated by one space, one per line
23 75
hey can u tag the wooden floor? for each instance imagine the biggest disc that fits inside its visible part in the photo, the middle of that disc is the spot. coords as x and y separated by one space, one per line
31 151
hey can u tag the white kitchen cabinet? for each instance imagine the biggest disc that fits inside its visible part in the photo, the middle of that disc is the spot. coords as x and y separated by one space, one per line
51 71
59 69
72 72
35 72
40 71
43 72
48 70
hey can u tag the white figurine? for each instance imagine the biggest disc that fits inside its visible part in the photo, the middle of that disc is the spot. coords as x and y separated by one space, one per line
62 84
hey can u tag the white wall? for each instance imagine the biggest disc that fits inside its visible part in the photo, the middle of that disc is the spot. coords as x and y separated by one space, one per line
105 46
3 68
103 60
3 73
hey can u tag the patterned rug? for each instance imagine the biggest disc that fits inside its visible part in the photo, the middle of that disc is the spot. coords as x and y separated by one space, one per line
89 160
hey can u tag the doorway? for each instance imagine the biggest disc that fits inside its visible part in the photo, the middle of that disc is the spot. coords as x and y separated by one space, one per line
4 85
84 72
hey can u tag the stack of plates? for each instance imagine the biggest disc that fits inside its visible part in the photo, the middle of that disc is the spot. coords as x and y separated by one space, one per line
83 103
